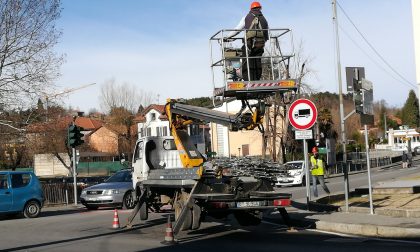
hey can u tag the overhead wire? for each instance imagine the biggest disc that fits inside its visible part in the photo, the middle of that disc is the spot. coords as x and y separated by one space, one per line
372 59
372 47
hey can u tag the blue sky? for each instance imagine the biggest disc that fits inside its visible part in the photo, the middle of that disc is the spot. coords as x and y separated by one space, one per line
162 46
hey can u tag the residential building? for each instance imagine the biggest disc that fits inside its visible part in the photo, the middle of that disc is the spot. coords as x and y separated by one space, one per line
154 122
241 143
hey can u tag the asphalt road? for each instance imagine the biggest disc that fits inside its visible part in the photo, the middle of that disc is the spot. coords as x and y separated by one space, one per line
80 230
76 229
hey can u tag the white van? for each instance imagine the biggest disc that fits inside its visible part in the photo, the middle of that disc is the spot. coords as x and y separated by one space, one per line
293 174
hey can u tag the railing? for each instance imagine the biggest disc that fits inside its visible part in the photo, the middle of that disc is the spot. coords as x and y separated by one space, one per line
60 192
360 164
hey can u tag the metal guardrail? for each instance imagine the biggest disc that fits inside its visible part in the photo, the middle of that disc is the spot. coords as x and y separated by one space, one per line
361 165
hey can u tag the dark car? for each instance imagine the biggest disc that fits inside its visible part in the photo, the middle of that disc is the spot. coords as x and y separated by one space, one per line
20 192
115 191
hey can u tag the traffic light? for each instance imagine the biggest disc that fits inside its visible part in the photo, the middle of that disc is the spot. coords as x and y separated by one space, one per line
357 85
74 136
358 101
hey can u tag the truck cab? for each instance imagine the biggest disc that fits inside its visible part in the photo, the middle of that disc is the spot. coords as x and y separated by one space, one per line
154 153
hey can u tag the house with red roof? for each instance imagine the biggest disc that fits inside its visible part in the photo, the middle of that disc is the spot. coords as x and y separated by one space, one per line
153 122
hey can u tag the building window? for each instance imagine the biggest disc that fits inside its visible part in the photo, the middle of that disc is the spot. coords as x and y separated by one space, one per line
153 117
161 131
141 132
148 131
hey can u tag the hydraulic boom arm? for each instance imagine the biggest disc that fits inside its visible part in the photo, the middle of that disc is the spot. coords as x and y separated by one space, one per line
180 115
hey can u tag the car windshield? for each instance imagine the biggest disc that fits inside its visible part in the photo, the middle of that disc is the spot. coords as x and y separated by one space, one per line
293 166
122 176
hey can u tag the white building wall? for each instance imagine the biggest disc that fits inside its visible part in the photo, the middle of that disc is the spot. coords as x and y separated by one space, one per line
152 122
47 165
225 143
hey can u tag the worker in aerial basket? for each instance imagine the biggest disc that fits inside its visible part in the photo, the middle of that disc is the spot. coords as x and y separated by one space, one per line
317 171
256 34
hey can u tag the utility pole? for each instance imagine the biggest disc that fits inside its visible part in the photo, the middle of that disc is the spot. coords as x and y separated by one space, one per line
340 94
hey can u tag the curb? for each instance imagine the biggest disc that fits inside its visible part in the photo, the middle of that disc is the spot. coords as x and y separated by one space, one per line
368 230
392 212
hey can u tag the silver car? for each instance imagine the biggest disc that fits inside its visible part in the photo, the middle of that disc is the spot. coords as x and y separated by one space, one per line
115 191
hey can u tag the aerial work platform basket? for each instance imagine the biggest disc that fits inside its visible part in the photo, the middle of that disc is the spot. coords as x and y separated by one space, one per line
229 55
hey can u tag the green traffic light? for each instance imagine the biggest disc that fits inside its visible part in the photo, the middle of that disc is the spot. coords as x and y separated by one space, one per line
74 136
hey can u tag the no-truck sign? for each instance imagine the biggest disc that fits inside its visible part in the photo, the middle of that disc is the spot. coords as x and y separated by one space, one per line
302 114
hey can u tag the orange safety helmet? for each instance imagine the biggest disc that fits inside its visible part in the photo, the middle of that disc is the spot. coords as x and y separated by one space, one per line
315 149
255 5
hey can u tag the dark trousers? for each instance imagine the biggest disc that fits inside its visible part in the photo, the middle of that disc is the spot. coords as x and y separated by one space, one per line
255 67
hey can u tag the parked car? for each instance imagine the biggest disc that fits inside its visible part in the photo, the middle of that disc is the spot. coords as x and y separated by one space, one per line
293 174
20 192
115 191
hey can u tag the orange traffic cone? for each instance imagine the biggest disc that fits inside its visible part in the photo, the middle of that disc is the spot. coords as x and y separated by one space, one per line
169 234
116 222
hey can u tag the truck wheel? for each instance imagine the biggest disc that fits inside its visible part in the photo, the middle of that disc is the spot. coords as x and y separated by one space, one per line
143 212
128 201
196 217
32 209
245 218
187 223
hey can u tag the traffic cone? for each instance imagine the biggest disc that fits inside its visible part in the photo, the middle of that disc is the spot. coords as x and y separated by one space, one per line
116 222
169 234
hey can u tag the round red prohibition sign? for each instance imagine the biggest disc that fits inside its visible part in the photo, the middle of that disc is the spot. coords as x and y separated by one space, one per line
302 114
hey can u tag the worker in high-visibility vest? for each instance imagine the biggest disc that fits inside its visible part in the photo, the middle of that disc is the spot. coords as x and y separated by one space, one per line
317 171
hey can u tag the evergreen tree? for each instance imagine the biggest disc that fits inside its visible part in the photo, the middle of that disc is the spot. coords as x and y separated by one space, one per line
410 111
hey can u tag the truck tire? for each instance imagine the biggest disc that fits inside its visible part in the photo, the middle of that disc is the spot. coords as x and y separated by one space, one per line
32 209
143 211
246 218
196 217
187 223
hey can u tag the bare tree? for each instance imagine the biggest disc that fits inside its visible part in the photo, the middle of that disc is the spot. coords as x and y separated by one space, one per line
28 65
277 133
127 96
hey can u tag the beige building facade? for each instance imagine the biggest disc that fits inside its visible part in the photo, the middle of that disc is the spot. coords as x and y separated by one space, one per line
241 143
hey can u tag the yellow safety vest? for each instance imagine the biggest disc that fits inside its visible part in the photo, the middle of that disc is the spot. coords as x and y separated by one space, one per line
317 166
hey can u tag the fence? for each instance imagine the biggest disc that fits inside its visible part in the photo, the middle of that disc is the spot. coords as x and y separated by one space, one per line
60 191
360 164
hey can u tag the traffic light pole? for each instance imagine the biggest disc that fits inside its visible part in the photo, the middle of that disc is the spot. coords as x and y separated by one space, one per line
74 138
74 175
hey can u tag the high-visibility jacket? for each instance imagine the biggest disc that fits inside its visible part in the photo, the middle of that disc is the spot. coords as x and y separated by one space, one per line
317 166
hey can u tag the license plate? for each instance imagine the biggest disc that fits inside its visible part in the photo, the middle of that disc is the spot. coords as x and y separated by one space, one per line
91 199
248 204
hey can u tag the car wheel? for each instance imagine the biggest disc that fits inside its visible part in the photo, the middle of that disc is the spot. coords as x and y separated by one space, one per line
32 209
128 201
89 207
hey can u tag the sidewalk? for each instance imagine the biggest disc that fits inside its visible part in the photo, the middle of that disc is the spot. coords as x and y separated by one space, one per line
396 211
